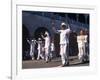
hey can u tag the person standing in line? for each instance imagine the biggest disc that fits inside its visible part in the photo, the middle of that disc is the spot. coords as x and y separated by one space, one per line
46 37
40 55
81 45
64 41
86 56
32 47
52 49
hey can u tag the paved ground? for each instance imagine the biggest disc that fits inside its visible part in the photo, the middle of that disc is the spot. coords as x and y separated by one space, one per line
56 62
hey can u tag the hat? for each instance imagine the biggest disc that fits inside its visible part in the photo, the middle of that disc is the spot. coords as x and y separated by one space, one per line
63 23
39 38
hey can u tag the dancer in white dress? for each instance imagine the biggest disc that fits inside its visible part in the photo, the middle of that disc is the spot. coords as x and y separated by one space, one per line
81 39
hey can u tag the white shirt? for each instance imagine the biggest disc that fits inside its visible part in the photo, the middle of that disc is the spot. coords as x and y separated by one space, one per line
81 40
52 46
86 38
63 36
39 45
47 41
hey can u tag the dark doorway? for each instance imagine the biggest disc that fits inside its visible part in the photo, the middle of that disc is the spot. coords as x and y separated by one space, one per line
25 45
39 31
57 45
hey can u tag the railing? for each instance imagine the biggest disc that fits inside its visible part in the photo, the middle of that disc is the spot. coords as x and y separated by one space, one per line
38 19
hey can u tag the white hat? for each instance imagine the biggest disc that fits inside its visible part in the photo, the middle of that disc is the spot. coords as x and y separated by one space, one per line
63 23
39 38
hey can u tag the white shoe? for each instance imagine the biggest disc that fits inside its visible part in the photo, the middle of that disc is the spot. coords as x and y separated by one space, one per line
32 58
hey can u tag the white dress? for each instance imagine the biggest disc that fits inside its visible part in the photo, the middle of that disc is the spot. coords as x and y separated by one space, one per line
81 39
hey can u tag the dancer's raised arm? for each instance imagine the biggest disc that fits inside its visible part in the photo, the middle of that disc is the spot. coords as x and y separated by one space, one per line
28 41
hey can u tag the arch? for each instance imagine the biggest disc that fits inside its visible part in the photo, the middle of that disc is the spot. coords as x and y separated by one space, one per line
39 30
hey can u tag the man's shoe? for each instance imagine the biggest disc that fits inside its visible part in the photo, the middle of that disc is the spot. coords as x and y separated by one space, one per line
63 65
46 61
67 64
50 59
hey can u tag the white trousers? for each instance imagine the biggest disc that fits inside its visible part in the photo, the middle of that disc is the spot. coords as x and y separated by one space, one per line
81 52
31 51
47 52
64 53
40 54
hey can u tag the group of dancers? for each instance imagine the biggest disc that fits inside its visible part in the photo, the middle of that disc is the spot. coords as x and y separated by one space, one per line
49 48
45 50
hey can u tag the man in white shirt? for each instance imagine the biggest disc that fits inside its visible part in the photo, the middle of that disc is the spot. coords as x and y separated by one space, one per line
64 43
47 46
